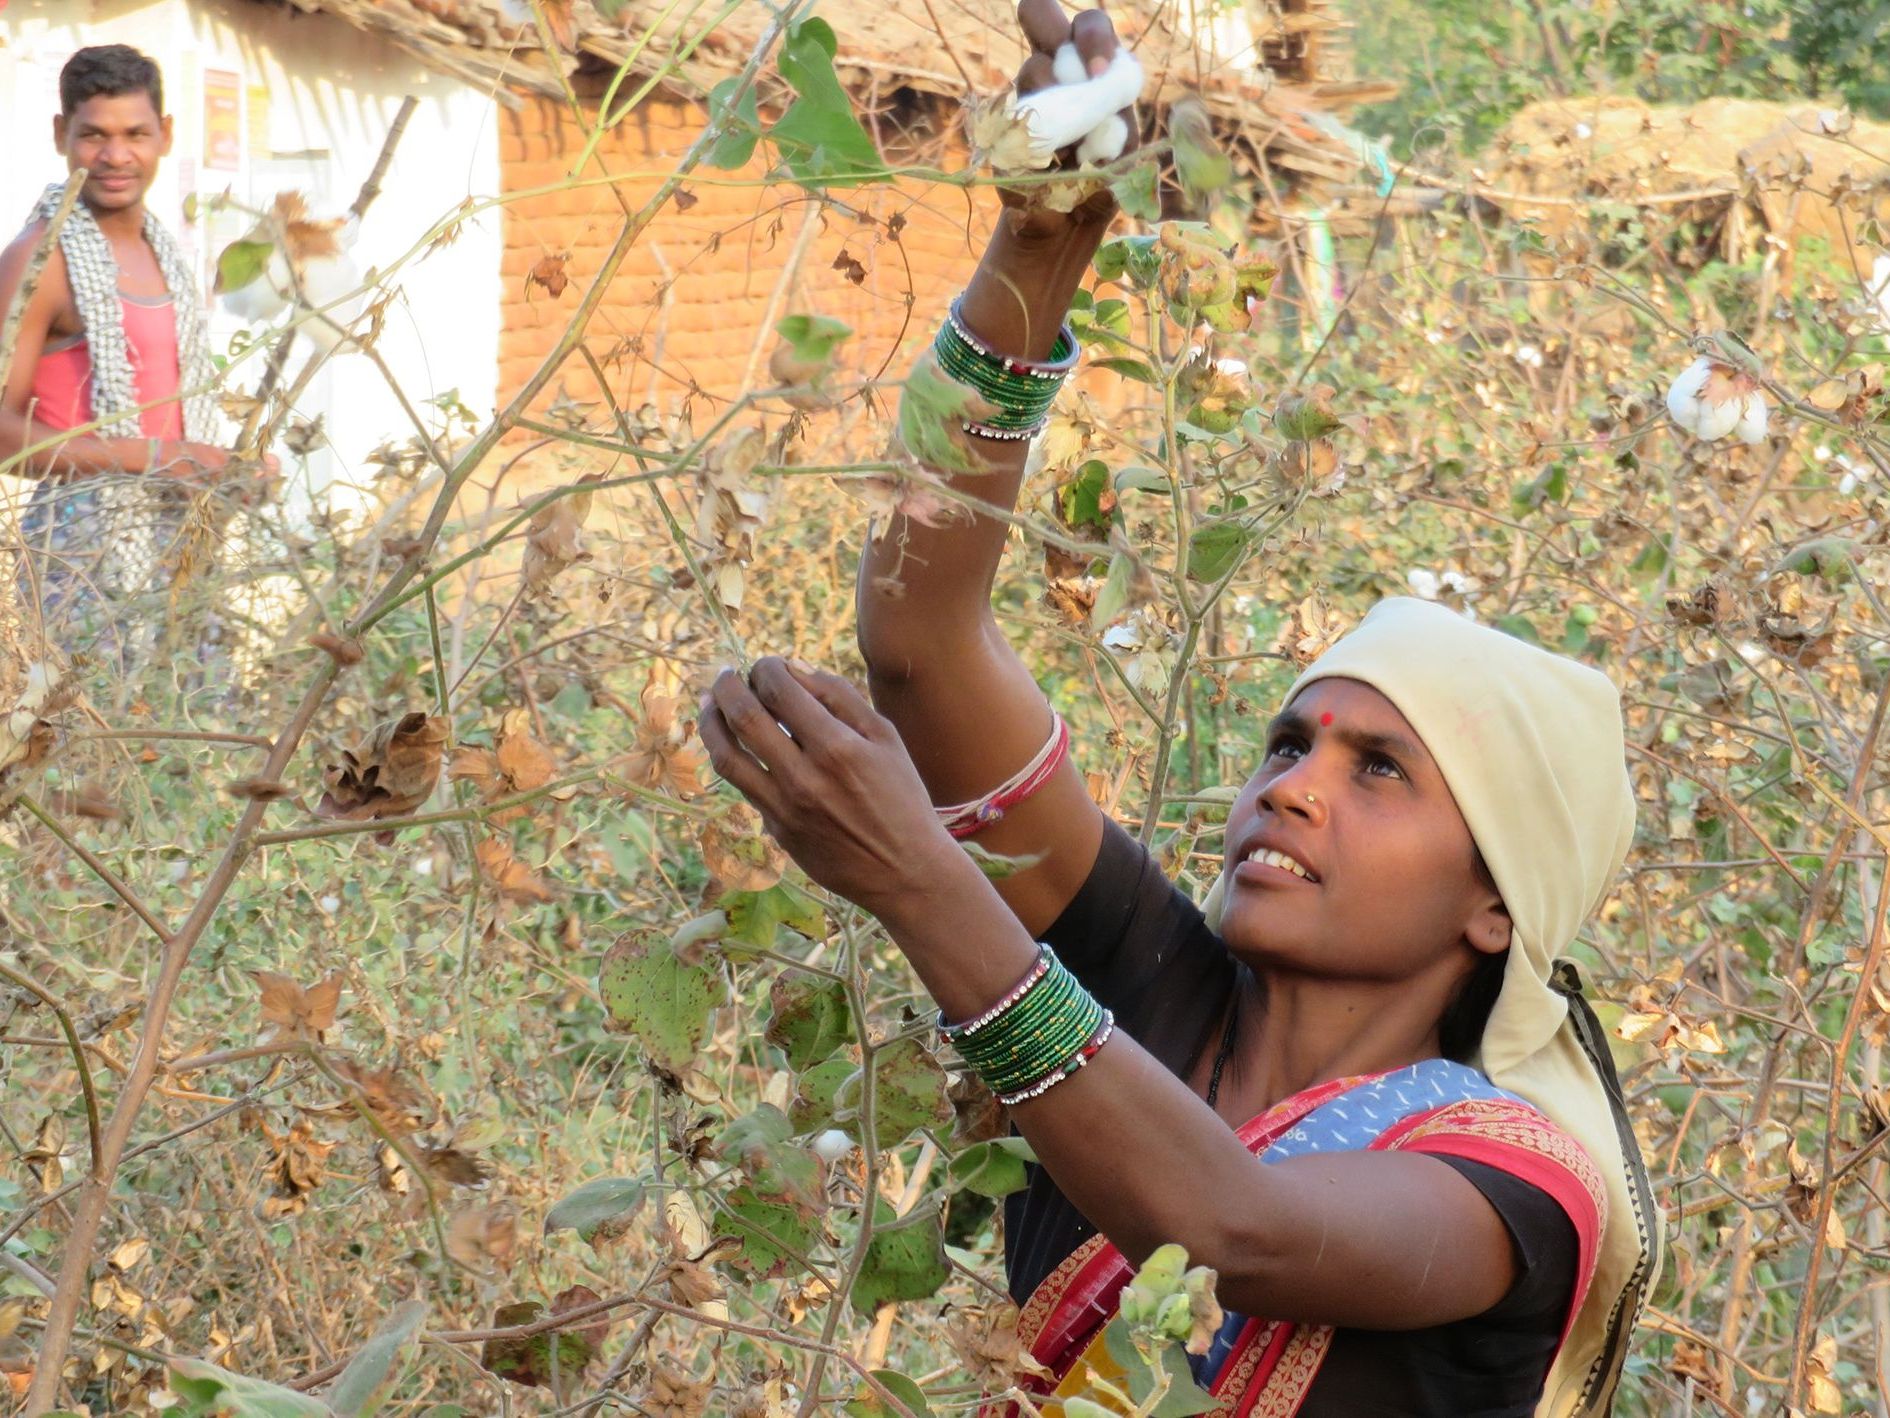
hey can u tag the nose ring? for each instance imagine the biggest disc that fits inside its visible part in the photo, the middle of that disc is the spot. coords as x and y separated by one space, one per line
1311 799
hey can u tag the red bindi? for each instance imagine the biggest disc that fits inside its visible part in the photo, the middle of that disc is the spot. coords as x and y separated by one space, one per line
1325 719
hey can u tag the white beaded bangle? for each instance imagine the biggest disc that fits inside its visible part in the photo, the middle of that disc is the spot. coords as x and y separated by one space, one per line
1045 959
1044 1085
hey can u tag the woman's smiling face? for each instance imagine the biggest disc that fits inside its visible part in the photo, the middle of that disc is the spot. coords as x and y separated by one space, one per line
1346 854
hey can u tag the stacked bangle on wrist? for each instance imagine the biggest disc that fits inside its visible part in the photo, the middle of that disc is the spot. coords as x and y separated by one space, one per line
1043 1030
1020 390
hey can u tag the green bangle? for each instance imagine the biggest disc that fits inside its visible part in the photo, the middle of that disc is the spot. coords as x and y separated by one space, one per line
1035 1034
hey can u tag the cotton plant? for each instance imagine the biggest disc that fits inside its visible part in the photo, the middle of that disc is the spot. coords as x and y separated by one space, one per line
291 259
1720 392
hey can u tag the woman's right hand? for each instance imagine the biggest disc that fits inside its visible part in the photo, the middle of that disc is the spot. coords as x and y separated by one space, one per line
1047 29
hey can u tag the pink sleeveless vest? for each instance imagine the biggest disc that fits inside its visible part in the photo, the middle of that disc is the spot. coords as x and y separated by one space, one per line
62 382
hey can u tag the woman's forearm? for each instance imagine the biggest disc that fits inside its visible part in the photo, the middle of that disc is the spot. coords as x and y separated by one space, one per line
923 586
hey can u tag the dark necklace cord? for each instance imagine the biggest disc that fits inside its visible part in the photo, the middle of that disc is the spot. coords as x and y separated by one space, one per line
1227 1046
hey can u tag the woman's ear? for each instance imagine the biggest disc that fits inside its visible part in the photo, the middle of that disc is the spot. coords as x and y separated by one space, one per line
1490 928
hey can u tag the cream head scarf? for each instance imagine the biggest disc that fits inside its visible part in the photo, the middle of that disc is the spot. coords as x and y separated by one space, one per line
1531 747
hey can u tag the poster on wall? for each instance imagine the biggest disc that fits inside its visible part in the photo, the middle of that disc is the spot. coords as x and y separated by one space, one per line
222 120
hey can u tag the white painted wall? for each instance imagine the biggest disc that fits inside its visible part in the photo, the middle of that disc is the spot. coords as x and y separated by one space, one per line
316 100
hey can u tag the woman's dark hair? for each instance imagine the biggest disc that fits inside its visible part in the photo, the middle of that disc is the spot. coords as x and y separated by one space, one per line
111 70
1460 1031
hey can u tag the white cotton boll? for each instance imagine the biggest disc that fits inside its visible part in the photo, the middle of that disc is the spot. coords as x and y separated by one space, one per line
831 1145
1715 421
1066 66
1709 418
264 298
1752 422
1683 395
1064 114
1423 582
331 285
1105 142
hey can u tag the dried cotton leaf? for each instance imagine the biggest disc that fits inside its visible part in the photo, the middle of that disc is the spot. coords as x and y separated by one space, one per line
389 773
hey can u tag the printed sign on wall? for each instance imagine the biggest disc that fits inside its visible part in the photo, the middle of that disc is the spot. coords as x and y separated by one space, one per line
222 120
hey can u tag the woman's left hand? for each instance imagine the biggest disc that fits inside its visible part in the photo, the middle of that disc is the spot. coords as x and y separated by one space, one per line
833 783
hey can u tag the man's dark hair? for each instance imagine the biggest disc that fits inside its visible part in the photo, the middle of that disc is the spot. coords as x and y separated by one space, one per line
111 70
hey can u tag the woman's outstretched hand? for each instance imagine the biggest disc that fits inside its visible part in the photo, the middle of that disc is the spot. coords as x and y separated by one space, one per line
833 784
1048 29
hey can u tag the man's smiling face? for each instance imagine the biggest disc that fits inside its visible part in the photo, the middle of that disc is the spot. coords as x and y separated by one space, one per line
119 139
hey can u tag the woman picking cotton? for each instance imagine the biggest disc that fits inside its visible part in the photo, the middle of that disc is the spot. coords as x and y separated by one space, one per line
1354 1085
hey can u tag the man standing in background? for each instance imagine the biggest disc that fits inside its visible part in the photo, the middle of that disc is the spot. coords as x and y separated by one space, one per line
113 335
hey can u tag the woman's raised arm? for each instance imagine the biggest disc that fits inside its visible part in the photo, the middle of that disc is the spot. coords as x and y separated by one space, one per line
969 711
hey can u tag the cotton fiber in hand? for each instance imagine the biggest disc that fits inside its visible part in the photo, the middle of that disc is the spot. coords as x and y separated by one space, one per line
1081 110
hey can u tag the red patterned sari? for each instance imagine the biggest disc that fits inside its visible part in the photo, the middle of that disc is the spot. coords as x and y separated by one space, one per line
1264 1368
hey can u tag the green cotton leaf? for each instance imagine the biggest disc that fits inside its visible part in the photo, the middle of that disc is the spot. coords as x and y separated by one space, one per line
242 262
1137 478
994 1167
1519 627
997 867
599 1211
1651 560
1182 1398
377 1366
733 105
205 1391
771 1233
812 1107
909 1092
1113 594
1128 368
555 1359
1201 168
819 136
1550 485
868 1404
776 1168
932 408
1215 549
810 1018
1132 257
813 337
1088 500
755 918
905 1260
1138 192
649 992
1831 559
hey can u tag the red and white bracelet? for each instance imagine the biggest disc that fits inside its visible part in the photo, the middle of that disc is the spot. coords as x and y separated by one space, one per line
966 819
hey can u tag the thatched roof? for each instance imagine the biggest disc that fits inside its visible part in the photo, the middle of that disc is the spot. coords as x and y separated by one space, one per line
1260 67
1737 166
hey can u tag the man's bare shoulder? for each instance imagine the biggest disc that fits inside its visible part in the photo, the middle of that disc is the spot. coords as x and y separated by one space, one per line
18 255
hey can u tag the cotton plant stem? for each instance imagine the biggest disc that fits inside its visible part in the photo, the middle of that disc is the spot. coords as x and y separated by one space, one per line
98 868
35 270
869 1185
1805 1331
1744 1236
53 1002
